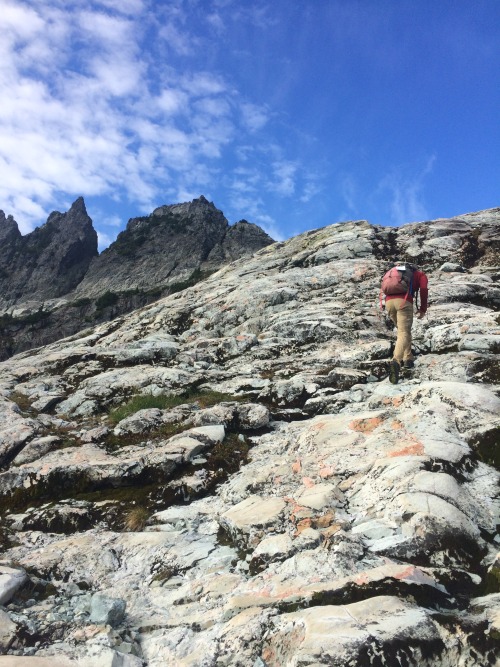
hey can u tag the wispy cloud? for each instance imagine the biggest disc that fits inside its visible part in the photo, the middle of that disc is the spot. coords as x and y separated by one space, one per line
349 193
284 172
103 239
95 106
406 196
254 116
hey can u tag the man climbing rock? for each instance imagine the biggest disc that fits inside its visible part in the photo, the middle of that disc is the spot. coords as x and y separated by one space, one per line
400 285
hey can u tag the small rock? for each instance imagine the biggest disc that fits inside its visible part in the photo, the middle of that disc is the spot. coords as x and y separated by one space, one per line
451 267
7 631
10 581
107 611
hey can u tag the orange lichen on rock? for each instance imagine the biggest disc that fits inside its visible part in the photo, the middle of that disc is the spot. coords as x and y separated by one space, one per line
416 449
319 425
396 425
366 425
331 530
324 521
406 573
302 525
297 466
362 579
326 471
308 482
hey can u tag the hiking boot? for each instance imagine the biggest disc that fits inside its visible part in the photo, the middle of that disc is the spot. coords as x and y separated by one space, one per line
394 372
409 363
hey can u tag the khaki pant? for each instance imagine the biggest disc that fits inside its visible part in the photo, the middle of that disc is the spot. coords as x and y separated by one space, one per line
401 313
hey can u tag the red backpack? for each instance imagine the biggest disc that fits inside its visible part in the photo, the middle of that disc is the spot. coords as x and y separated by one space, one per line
399 280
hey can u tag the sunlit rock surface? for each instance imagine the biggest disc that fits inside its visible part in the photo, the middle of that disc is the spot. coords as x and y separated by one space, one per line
290 506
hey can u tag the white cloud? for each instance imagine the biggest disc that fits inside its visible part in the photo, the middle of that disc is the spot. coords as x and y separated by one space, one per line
179 41
103 240
113 99
123 6
107 31
112 221
171 101
213 106
349 192
215 20
311 189
407 202
254 116
203 83
284 177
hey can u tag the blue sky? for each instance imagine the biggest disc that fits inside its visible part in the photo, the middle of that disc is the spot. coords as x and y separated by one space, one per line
292 114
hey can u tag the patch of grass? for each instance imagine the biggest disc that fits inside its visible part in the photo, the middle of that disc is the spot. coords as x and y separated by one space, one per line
135 519
165 573
144 402
227 456
204 399
22 401
106 299
114 443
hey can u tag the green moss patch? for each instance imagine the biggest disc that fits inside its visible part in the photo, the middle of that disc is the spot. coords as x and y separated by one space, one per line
204 399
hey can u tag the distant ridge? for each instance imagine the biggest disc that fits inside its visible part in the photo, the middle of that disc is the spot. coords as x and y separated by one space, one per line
53 282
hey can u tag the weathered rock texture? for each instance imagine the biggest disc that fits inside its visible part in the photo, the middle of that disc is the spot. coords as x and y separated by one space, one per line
291 507
156 255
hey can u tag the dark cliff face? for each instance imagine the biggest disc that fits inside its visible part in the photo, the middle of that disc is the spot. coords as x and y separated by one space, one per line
48 262
160 248
240 239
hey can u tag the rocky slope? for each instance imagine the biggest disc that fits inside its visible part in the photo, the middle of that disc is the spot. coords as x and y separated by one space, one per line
53 283
275 501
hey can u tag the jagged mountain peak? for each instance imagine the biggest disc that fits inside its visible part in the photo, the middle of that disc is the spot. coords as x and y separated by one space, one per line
165 251
77 212
9 229
167 246
49 261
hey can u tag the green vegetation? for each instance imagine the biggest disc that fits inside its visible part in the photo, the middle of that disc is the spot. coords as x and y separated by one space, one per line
204 399
106 299
80 303
39 315
194 278
127 243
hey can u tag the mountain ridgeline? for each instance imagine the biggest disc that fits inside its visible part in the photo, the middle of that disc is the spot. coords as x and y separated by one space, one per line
53 282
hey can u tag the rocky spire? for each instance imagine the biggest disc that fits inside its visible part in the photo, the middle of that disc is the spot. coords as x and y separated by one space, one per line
51 260
9 230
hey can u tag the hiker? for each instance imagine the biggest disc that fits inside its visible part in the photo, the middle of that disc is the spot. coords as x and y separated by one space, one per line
400 284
